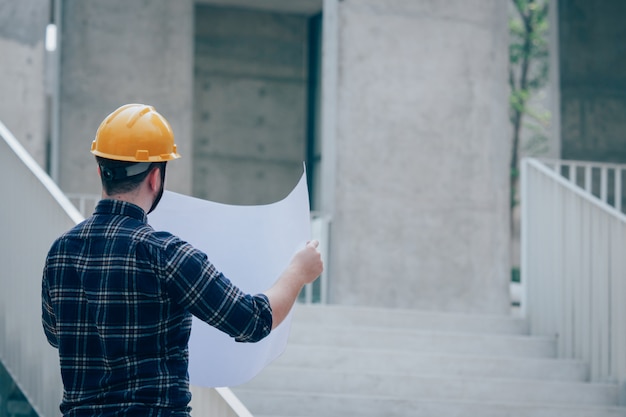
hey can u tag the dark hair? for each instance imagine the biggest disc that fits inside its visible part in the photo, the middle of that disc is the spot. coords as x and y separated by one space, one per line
120 177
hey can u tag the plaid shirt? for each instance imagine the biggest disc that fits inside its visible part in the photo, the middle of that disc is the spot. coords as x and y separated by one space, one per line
117 300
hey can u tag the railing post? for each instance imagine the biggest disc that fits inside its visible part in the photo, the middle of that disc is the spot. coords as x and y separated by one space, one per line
604 184
588 181
618 188
524 203
573 173
320 230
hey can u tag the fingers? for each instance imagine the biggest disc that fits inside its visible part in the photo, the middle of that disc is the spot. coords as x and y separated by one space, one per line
313 243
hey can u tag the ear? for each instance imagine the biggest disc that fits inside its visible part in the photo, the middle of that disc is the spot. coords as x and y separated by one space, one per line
154 178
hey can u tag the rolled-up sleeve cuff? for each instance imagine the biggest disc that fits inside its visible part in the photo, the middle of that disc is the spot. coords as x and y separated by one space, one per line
261 325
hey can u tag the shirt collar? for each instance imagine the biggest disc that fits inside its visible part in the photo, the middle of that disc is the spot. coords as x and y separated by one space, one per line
121 208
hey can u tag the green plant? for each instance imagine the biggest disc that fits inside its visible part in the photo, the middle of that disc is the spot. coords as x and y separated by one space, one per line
528 74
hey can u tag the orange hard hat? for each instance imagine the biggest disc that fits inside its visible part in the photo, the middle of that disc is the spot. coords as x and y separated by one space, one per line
135 133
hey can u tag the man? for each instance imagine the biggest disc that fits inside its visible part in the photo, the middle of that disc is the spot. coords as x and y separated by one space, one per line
117 296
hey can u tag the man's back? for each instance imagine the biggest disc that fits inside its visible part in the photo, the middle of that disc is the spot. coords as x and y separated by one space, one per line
121 339
118 298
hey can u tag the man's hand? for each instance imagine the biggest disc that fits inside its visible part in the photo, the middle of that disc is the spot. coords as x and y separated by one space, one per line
307 263
305 266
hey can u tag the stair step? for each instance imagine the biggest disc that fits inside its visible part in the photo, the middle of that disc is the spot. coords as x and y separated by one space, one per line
408 363
423 341
408 319
333 405
431 388
368 362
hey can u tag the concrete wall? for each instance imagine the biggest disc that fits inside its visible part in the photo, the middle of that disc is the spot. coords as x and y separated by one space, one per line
422 151
419 164
250 91
22 59
124 51
593 80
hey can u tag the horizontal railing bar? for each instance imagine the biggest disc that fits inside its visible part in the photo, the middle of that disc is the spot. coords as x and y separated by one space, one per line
566 162
577 190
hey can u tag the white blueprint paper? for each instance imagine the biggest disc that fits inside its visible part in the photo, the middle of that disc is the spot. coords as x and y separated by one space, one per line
250 245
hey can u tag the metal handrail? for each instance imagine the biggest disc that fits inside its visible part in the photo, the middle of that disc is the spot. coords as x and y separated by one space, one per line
573 269
33 213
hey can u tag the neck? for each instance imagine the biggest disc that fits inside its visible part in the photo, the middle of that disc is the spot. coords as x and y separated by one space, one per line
138 199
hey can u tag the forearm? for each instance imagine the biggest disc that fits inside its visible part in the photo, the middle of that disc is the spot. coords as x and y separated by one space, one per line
283 294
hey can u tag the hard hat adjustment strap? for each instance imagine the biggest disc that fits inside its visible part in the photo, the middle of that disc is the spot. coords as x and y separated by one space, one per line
120 173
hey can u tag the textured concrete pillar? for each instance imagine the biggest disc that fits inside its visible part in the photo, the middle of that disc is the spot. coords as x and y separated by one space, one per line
593 80
22 58
422 151
250 93
123 51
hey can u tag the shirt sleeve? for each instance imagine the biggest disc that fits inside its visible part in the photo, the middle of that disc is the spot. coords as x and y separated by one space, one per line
195 284
48 317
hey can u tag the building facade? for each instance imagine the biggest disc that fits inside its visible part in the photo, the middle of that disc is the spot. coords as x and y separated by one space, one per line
399 109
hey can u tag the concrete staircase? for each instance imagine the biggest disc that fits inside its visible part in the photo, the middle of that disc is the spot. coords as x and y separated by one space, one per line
364 362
